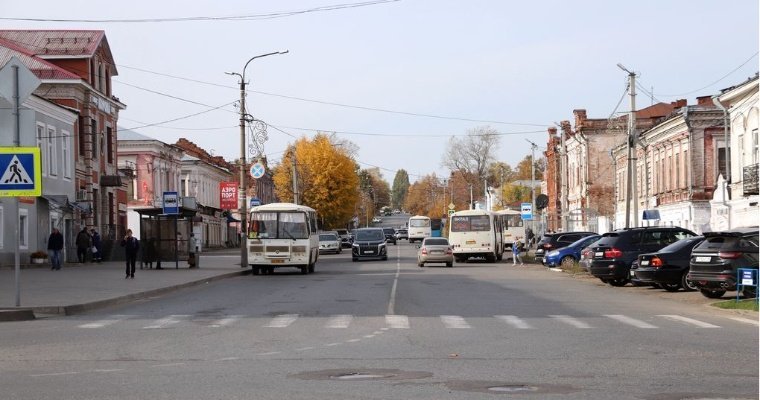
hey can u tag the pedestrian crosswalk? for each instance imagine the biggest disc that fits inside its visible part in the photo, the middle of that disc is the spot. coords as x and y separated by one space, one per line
345 321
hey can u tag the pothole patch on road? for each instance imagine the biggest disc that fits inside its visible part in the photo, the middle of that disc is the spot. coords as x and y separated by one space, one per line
508 387
361 374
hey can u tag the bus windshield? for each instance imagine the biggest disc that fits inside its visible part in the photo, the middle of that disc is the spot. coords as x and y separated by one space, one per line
470 223
514 221
278 225
419 223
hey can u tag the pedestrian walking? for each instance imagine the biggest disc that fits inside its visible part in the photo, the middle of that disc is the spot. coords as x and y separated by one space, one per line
516 252
97 246
131 246
192 248
149 254
55 246
83 242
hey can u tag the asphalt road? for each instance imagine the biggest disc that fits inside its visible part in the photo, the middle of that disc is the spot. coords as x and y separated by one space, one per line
387 330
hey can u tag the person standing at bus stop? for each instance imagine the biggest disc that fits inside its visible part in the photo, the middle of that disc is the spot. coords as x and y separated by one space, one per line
192 249
131 246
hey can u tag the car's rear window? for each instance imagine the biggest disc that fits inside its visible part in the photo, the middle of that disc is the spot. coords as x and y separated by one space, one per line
327 237
436 242
370 235
677 246
728 243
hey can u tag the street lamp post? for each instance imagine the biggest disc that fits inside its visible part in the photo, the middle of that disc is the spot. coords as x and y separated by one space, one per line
241 188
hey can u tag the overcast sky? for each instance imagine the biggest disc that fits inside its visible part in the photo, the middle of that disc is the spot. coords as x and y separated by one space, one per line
521 65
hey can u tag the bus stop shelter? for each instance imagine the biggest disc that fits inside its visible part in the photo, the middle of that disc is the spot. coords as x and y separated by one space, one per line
163 237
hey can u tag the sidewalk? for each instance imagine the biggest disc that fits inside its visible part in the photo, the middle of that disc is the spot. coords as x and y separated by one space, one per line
80 287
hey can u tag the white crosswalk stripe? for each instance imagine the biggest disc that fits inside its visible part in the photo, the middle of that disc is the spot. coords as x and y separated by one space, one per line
397 321
226 321
514 321
454 322
105 322
282 321
339 321
631 321
746 320
689 321
571 321
165 322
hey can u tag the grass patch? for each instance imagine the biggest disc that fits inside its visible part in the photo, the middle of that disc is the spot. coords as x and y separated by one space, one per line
573 269
743 304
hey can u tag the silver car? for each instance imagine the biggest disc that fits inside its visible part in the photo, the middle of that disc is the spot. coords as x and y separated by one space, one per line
435 250
329 242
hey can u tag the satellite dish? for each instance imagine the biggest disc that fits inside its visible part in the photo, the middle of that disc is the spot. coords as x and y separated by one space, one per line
542 201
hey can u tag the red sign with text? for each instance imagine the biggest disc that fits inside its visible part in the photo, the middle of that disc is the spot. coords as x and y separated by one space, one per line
228 192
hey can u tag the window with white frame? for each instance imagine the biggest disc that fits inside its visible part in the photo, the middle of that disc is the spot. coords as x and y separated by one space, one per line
23 229
755 150
66 153
52 159
43 148
740 143
678 171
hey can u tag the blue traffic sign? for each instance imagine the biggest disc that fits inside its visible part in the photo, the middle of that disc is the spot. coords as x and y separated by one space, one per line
257 170
171 203
20 171
526 211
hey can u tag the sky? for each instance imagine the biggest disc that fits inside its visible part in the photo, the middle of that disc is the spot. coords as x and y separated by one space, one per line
401 78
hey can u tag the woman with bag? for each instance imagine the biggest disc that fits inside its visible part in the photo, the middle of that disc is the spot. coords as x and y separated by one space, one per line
97 255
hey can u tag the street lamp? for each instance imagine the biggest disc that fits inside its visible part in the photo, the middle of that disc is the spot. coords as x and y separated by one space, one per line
241 188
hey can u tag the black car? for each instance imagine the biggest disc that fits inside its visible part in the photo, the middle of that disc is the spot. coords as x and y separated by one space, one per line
714 262
369 243
390 235
614 253
553 241
668 267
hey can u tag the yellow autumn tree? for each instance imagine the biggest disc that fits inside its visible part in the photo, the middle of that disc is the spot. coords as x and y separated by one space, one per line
425 197
327 179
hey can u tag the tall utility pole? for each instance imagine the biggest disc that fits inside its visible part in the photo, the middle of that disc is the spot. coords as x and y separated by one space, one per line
533 148
631 192
242 187
295 178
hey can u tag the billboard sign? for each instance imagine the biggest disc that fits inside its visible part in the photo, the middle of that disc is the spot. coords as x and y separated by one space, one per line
228 195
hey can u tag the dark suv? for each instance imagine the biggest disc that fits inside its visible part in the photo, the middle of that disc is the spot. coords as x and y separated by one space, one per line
390 235
714 262
614 253
553 241
668 267
369 243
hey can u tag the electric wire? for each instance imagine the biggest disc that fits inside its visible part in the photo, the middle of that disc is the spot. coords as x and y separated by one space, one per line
712 83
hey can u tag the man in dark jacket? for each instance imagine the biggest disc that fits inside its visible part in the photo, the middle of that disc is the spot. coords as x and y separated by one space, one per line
55 246
97 246
131 246
83 244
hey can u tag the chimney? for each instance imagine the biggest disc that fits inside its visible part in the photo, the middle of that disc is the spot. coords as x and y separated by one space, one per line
580 118
679 103
705 101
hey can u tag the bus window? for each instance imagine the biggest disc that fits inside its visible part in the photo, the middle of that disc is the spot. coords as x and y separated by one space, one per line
263 224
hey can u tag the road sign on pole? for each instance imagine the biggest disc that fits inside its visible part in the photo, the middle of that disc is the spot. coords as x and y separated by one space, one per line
171 203
257 170
526 211
20 171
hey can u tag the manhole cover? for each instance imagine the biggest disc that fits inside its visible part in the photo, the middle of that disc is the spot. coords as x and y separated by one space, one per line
359 374
508 387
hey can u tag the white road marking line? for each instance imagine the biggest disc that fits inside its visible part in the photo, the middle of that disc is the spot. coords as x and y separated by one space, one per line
55 374
369 336
167 365
631 321
305 348
271 353
514 321
228 320
164 322
109 370
339 321
105 322
392 301
571 321
227 359
745 320
397 321
282 321
454 322
378 332
353 340
384 329
689 321
333 344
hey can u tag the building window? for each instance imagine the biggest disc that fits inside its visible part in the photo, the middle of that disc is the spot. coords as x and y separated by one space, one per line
678 171
109 144
82 135
742 156
111 210
23 229
52 159
755 150
43 148
183 187
722 162
686 167
94 136
65 153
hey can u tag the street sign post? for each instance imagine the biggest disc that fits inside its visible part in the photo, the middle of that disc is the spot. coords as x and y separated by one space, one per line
171 203
257 170
526 211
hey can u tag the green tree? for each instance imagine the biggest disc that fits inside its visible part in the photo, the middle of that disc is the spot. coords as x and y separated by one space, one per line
400 189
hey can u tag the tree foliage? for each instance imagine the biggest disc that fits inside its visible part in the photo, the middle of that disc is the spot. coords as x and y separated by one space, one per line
473 154
400 189
327 179
426 197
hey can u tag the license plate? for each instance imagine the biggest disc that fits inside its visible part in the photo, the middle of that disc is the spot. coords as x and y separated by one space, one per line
644 262
368 252
470 242
436 252
277 261
599 254
703 259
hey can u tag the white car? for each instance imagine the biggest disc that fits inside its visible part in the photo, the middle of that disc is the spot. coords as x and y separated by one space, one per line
329 242
377 220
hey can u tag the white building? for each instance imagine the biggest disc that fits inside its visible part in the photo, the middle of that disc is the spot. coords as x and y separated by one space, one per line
201 180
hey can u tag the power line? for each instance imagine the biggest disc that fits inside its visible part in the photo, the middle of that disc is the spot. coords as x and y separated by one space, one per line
713 83
403 134
249 17
181 118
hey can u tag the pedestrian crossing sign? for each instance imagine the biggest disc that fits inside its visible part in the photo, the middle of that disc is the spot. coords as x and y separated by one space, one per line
20 171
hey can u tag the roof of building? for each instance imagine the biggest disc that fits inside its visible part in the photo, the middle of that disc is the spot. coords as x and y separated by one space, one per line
41 68
54 43
656 110
126 134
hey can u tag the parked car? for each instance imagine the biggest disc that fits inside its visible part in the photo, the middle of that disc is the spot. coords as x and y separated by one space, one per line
553 241
390 235
377 220
569 254
402 233
714 262
329 242
369 243
435 250
667 267
615 251
345 237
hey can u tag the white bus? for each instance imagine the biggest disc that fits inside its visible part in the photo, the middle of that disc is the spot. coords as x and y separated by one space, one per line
419 228
476 233
282 235
514 227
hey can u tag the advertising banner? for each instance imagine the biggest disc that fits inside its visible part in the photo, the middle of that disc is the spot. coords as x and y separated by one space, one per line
228 192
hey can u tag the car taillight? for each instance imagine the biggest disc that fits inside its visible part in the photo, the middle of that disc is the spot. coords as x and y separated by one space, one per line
423 251
656 262
588 253
548 246
613 253
729 254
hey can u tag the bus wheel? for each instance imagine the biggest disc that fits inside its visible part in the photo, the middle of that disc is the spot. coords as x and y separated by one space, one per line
499 256
256 270
311 268
491 257
304 270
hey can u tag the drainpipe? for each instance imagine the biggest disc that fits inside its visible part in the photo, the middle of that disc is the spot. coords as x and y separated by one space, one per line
728 156
685 113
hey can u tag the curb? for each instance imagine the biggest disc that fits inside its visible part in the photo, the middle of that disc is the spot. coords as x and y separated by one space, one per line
73 309
16 314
